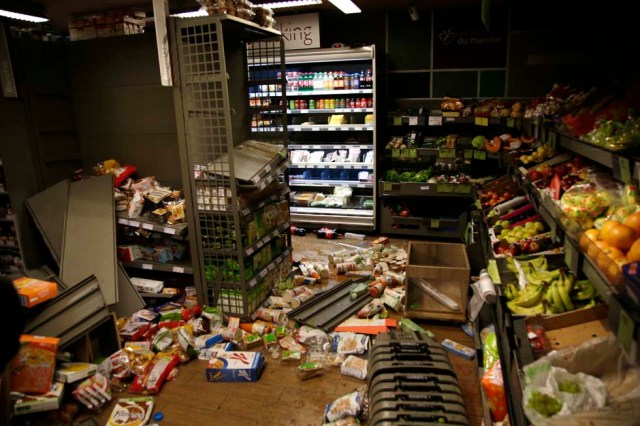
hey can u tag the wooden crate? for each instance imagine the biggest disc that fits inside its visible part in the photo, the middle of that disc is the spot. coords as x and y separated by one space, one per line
446 267
574 327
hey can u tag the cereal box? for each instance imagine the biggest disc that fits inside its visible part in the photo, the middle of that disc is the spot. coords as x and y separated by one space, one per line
32 369
36 403
235 366
33 292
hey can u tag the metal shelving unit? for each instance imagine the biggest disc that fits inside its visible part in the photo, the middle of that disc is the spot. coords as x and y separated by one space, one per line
233 152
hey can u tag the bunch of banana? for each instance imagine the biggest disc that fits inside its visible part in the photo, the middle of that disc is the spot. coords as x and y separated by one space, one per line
547 292
539 263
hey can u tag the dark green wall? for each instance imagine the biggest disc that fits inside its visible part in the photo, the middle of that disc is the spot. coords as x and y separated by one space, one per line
122 110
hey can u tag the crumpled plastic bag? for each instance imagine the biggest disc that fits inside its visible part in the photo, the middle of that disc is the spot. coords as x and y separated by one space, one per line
575 393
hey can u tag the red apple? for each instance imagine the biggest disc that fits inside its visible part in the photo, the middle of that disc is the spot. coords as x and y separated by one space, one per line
534 175
560 170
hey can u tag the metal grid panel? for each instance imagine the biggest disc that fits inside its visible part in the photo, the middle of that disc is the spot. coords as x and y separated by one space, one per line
238 264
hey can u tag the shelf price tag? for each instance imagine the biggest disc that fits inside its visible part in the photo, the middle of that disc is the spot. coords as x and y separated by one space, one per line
178 269
435 120
395 153
462 188
387 187
404 152
147 226
468 154
170 231
494 273
445 187
479 154
625 332
413 121
447 153
625 169
510 122
397 121
134 223
435 223
147 266
412 153
315 129
331 128
482 121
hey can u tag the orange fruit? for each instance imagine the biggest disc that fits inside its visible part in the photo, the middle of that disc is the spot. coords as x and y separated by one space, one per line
633 221
619 236
633 255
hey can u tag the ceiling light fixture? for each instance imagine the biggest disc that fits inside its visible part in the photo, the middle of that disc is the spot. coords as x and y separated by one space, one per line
293 3
22 16
193 14
346 6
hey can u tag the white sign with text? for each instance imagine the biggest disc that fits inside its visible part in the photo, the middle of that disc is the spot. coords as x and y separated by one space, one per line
299 31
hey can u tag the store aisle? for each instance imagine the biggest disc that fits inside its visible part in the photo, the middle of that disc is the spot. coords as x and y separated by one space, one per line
280 397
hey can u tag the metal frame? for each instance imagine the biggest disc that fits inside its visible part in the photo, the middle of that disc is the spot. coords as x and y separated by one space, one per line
217 62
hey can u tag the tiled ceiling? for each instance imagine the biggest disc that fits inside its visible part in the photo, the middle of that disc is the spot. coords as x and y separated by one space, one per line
59 11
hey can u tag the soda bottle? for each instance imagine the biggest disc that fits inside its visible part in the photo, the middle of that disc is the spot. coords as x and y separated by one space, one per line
328 234
298 231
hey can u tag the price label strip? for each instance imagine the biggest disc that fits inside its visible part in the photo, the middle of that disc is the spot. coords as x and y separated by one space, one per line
479 154
435 223
397 121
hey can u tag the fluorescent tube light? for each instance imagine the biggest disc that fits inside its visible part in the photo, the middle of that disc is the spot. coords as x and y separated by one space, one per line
22 16
346 6
193 14
293 3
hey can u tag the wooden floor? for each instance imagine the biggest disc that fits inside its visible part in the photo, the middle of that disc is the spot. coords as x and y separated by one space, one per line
280 397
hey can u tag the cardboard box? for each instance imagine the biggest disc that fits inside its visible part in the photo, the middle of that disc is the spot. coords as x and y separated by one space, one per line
129 253
74 371
33 292
27 404
146 285
235 366
446 267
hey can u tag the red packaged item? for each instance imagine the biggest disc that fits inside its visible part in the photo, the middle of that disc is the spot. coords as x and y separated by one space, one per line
93 392
171 324
156 374
493 387
32 368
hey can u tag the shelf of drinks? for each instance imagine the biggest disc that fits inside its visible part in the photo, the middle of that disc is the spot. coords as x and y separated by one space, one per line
424 189
329 183
328 146
291 94
337 166
330 128
177 230
304 93
178 266
328 110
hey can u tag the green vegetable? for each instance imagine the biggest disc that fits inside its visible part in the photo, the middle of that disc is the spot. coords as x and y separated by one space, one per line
569 387
478 142
544 404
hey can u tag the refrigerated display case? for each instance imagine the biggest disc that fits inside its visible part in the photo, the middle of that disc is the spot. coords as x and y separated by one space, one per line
331 119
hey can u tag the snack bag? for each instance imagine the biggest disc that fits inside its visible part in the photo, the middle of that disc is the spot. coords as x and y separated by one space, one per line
32 369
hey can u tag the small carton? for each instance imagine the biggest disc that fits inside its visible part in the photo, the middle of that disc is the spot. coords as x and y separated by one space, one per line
26 404
33 292
146 285
74 371
235 366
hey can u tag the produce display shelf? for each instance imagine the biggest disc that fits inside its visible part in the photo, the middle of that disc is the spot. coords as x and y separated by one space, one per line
328 110
179 267
338 166
398 189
